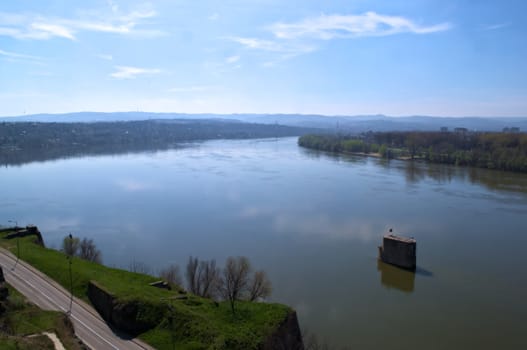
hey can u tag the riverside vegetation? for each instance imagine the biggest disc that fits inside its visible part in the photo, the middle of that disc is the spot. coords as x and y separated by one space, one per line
502 151
24 142
174 318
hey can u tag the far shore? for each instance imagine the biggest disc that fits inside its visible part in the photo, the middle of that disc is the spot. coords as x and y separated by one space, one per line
375 155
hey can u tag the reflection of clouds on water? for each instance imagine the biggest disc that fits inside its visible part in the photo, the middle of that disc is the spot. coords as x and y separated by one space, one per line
7 204
58 224
131 185
252 212
311 224
233 195
321 224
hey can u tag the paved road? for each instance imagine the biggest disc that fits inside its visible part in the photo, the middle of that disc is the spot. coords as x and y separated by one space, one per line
49 295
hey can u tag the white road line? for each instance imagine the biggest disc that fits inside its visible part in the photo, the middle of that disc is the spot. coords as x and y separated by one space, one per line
63 309
48 284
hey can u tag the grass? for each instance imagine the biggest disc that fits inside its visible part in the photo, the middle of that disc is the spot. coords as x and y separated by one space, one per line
187 322
21 319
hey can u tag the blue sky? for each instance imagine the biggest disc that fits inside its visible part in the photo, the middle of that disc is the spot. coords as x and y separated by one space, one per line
393 57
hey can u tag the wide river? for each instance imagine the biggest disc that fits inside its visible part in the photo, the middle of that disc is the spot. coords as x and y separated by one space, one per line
313 221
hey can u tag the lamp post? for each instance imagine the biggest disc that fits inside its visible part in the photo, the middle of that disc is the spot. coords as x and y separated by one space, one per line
17 242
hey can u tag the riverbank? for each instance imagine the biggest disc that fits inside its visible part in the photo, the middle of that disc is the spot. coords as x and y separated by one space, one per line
501 151
160 317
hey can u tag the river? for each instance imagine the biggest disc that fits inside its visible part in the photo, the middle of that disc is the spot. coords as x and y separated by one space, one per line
313 221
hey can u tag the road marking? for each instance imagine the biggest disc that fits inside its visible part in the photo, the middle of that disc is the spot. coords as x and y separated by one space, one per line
64 310
46 280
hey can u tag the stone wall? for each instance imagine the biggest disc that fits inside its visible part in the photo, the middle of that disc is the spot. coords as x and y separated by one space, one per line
4 292
286 337
101 300
126 316
30 230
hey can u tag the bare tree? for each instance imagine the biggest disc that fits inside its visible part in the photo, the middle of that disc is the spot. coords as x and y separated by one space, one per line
191 274
202 277
260 286
209 277
235 279
88 251
70 245
139 267
172 275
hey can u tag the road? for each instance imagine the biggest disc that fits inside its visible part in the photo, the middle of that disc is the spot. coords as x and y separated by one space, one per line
49 295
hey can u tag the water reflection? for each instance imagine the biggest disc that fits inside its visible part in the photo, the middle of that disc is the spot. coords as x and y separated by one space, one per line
417 171
394 277
335 157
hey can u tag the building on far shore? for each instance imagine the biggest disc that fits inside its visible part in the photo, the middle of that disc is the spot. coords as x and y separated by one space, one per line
461 130
444 129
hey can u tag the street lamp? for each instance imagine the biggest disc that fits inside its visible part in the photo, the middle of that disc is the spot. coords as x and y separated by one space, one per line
17 242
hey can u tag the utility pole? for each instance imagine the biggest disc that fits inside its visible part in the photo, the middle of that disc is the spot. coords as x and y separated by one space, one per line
17 242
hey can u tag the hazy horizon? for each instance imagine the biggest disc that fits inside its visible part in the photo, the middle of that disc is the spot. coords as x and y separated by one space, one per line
270 114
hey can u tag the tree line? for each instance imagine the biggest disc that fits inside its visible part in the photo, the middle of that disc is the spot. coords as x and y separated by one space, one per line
236 281
23 142
491 150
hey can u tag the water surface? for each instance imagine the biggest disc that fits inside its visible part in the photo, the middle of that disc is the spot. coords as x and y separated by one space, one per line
313 221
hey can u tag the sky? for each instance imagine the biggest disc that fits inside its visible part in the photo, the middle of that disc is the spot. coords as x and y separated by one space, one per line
352 57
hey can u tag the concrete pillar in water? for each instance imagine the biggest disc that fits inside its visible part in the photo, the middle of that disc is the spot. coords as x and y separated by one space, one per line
398 251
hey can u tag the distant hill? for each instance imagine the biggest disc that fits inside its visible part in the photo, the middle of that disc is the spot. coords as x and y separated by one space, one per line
354 124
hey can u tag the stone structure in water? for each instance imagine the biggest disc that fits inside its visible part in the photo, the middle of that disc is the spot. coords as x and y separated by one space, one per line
398 251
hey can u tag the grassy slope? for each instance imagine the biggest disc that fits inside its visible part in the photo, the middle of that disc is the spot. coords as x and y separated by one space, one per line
22 318
198 323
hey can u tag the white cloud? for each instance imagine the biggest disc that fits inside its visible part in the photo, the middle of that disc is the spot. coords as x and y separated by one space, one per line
293 39
214 17
105 57
113 6
127 72
273 46
278 50
327 27
49 30
38 27
259 44
232 59
19 56
497 26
